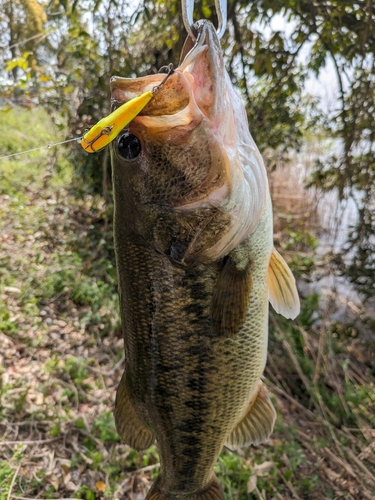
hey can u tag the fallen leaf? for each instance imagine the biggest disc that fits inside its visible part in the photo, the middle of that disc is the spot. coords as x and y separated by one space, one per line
100 486
252 483
70 486
39 400
261 469
65 468
54 480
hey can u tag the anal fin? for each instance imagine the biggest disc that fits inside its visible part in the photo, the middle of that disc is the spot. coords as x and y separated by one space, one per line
231 299
129 427
213 491
257 424
282 289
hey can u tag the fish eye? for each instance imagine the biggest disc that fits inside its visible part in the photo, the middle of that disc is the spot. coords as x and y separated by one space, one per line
129 146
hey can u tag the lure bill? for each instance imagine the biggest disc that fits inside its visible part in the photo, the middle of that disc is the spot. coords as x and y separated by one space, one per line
108 128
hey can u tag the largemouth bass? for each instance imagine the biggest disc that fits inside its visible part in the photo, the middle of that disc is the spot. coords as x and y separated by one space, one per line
196 269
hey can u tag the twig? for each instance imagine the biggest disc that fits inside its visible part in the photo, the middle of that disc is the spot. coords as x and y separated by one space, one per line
361 465
354 370
110 372
37 441
338 460
277 493
146 469
259 493
306 339
294 401
26 422
13 481
321 346
297 366
88 434
279 377
131 486
289 485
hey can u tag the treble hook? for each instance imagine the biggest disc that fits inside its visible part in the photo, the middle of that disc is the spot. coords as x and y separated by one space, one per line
187 16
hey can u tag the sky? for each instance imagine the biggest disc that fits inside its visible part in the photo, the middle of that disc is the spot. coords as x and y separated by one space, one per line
324 86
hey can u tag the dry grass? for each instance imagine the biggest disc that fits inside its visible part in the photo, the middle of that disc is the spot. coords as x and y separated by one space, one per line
330 397
294 206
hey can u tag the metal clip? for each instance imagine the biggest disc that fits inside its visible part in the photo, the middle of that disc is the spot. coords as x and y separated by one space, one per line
187 16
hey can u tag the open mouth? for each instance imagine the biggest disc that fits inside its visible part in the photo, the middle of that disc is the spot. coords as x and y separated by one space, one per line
196 79
206 38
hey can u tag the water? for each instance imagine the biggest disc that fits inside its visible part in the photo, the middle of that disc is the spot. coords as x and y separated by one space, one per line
330 219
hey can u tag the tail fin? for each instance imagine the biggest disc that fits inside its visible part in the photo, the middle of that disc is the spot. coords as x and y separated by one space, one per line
213 491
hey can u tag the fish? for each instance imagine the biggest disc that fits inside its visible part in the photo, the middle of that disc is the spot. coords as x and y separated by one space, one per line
196 269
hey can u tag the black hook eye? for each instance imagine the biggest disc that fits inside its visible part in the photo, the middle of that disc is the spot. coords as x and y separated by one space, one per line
129 146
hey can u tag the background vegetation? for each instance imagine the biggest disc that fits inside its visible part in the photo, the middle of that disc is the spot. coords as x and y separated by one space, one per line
61 350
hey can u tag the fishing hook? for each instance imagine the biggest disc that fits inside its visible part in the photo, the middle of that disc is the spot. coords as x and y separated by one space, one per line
169 68
90 144
187 16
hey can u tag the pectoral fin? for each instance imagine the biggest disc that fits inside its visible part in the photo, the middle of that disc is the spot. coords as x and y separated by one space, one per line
129 427
231 299
282 289
257 424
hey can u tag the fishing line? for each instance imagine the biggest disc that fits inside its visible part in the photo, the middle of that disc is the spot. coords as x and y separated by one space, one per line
108 128
48 146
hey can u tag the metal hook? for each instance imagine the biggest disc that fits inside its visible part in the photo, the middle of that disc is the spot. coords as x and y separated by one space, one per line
187 16
90 144
170 70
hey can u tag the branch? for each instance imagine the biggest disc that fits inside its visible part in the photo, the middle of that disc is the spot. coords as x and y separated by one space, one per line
238 38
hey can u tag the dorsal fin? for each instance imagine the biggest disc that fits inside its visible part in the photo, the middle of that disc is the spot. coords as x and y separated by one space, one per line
282 290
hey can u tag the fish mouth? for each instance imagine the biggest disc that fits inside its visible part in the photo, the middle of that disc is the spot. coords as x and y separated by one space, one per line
196 83
202 64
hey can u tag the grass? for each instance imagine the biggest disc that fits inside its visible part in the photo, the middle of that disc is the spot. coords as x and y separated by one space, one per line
61 357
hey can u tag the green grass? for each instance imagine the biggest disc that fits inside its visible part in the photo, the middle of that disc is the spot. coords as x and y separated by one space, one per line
8 470
21 130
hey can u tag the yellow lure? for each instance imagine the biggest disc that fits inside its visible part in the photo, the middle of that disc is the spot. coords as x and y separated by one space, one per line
109 127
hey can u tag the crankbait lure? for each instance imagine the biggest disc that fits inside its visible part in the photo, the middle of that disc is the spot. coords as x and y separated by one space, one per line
108 128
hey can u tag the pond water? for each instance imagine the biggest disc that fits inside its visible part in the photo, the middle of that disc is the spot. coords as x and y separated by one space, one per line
328 218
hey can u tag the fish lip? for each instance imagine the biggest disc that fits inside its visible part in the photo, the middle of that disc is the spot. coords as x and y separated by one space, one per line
204 29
